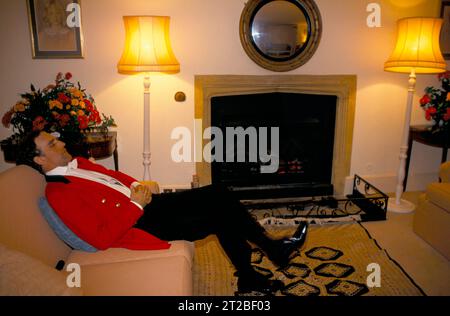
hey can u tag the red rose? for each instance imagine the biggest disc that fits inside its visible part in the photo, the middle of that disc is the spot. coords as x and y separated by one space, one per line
64 120
83 120
68 76
39 123
63 98
94 117
425 99
447 115
429 112
89 105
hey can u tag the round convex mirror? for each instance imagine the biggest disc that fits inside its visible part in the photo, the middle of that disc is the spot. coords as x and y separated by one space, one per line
280 35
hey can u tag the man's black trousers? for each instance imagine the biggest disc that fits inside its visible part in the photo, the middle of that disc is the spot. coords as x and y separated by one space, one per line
194 214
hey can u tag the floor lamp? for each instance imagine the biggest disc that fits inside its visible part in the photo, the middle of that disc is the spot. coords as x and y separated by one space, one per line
417 51
147 50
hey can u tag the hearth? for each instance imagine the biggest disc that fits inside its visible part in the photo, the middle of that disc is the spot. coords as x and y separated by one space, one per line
304 153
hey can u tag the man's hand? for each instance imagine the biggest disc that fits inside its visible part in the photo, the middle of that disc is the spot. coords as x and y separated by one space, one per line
153 185
141 194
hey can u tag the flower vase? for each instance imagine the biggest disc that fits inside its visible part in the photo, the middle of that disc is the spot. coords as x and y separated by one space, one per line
10 151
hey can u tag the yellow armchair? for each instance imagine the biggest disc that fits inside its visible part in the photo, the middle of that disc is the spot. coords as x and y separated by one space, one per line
432 217
444 172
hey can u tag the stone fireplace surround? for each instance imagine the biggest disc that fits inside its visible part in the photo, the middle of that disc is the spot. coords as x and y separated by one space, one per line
342 86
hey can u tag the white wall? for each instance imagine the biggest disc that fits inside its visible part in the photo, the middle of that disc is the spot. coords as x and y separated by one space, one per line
205 38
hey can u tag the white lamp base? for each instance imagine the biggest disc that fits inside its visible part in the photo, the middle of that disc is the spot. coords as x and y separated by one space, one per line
404 207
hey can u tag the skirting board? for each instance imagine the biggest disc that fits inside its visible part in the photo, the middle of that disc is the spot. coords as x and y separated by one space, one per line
173 187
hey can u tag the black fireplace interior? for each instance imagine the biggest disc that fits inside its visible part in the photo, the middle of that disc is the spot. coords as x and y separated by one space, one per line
306 128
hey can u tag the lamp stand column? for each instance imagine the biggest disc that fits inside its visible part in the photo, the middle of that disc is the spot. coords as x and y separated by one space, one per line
146 153
398 205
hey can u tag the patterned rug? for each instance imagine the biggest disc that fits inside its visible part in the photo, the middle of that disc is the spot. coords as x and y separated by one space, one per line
336 260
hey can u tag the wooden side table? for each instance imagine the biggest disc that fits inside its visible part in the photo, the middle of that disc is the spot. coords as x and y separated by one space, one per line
422 134
101 147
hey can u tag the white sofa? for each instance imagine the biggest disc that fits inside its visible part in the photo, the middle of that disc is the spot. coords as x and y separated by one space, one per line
30 250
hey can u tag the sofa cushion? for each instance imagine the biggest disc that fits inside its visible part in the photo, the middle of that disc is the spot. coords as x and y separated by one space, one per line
439 194
21 275
61 229
22 226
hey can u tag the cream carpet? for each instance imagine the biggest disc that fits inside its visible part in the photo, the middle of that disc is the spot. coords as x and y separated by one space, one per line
333 261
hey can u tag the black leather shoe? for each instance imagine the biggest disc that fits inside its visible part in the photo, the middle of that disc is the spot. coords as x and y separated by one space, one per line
254 281
300 232
283 249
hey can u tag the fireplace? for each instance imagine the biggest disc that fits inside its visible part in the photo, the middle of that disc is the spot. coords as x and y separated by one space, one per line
303 155
315 117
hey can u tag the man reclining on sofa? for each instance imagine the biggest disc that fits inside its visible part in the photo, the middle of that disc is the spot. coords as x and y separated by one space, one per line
108 209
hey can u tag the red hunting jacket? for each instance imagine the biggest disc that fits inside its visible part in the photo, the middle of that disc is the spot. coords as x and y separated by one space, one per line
98 214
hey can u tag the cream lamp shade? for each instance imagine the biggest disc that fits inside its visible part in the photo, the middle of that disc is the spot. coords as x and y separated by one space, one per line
147 46
417 47
147 50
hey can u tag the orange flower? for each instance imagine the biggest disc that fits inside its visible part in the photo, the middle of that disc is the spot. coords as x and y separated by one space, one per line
76 93
19 107
75 102
55 104
448 96
6 120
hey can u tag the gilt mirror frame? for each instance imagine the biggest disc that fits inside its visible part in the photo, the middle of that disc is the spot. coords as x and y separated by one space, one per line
301 55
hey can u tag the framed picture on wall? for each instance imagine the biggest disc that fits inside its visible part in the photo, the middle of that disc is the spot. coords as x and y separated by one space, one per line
445 32
55 28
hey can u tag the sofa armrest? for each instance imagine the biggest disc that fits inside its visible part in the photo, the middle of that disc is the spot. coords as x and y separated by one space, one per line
444 172
118 271
164 276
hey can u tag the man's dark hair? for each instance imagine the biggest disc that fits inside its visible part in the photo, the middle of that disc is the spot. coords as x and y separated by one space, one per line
28 150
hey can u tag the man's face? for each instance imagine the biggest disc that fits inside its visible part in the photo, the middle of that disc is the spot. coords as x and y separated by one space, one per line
53 152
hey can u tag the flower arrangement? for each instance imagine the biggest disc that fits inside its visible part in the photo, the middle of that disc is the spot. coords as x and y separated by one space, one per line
436 103
61 107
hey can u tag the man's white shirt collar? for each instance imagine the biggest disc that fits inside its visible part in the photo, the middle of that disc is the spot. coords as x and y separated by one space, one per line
62 171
